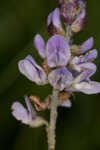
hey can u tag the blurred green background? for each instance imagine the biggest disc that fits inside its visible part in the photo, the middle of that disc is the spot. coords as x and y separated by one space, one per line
78 128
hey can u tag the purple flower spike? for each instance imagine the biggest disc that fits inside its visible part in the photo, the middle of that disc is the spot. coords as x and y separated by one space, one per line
27 116
87 45
58 52
53 22
32 71
40 45
60 78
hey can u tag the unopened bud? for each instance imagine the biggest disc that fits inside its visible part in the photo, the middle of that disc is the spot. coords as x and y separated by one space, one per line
54 23
79 23
68 12
59 2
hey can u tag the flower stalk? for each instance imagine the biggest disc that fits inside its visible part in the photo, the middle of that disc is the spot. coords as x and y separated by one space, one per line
53 118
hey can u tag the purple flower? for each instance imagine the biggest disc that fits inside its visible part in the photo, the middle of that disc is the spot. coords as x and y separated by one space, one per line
58 51
90 56
84 62
79 23
60 78
90 87
87 45
27 116
54 23
68 12
32 71
40 45
54 18
84 47
82 83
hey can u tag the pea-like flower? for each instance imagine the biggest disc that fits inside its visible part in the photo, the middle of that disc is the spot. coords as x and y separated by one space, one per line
84 62
32 71
60 78
56 51
54 23
27 116
68 12
79 23
82 83
84 47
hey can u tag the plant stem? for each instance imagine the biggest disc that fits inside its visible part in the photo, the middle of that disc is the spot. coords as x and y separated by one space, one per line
67 33
53 118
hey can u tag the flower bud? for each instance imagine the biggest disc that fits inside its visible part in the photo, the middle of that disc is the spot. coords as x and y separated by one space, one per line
79 23
54 23
59 2
68 12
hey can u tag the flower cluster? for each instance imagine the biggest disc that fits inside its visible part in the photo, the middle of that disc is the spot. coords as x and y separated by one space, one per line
67 67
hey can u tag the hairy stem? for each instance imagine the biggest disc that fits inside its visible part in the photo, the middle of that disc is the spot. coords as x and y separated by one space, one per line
67 33
53 118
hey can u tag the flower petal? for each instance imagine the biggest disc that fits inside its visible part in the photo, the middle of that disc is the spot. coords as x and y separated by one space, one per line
40 45
68 12
49 19
66 103
60 78
54 18
20 113
88 88
79 23
57 51
32 113
89 56
91 67
31 70
87 45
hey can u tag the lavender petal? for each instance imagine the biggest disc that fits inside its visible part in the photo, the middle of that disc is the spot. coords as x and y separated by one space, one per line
87 45
32 71
88 88
58 49
40 45
19 112
60 78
